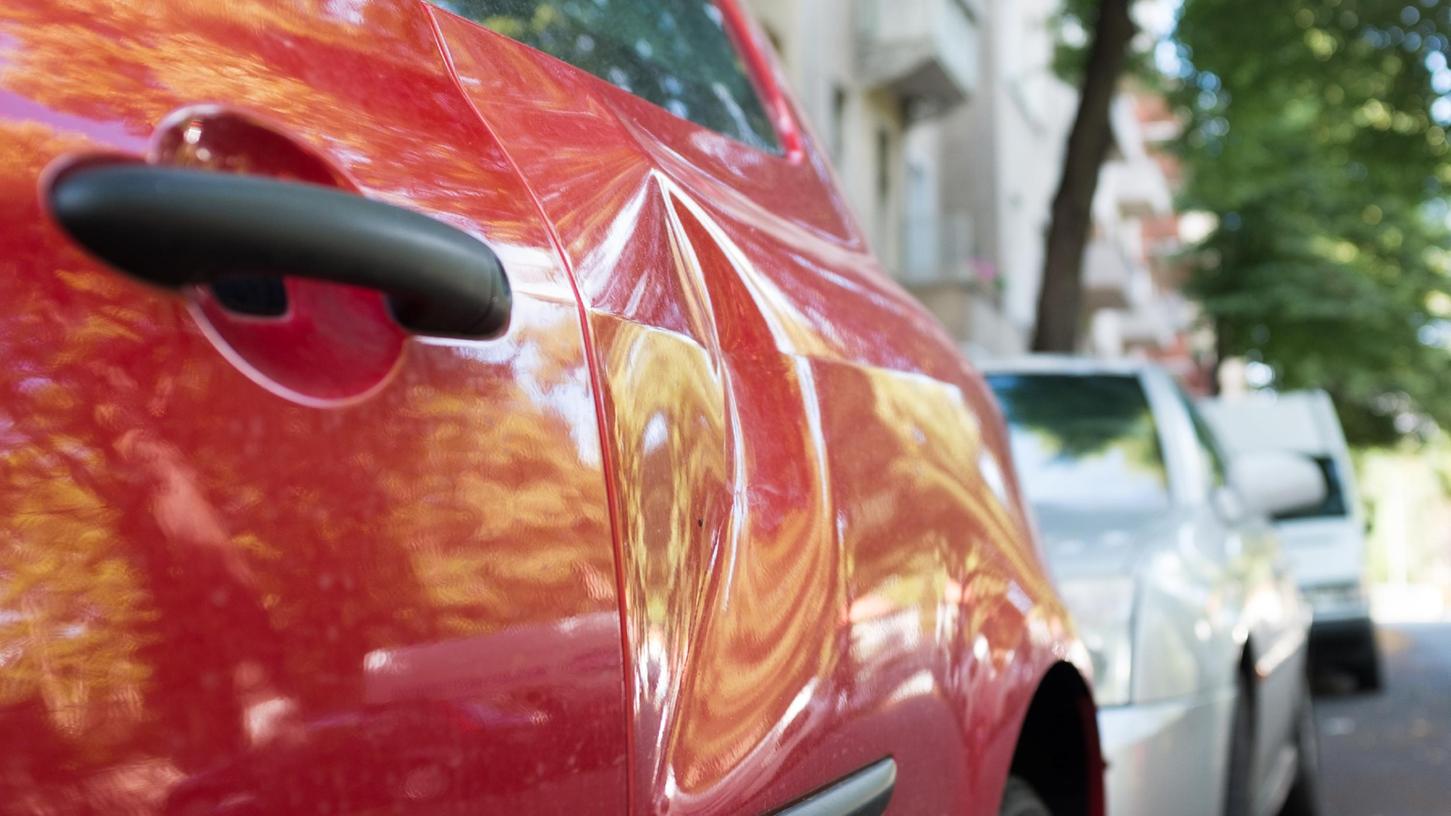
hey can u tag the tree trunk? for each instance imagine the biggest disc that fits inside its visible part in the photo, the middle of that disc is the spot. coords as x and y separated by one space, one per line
1221 342
1060 299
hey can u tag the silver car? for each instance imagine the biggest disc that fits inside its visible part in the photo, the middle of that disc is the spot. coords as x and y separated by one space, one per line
1163 553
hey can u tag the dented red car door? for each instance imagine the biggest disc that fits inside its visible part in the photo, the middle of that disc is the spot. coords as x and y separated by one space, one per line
720 520
823 565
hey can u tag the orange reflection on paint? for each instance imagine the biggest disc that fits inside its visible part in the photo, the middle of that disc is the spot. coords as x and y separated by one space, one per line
195 572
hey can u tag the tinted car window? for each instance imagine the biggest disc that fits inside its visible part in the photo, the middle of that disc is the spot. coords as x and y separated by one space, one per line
1334 504
674 53
1209 450
1084 443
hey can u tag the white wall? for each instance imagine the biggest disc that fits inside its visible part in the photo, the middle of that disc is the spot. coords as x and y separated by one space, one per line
1002 154
815 39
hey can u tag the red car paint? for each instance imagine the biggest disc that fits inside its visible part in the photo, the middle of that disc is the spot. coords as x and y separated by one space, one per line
721 519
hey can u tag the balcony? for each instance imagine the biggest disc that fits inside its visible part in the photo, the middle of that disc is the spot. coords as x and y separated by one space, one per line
1113 277
925 51
1137 187
1133 180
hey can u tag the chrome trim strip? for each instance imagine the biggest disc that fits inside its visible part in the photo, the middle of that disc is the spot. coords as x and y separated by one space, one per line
864 793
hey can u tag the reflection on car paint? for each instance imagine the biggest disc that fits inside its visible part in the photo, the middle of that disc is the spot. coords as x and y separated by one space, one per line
809 549
195 568
713 413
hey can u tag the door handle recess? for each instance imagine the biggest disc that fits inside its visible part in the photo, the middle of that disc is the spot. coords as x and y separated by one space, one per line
174 227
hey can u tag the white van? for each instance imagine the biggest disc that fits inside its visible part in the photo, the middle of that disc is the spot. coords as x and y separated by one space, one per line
1325 544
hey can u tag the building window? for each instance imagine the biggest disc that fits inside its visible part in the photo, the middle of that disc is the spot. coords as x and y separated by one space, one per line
838 125
887 221
884 166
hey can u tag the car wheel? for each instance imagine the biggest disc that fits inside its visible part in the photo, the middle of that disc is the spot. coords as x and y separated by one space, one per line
1238 786
1304 798
1367 671
1019 799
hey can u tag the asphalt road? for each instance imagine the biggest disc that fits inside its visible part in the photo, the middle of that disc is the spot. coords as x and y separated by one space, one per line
1389 754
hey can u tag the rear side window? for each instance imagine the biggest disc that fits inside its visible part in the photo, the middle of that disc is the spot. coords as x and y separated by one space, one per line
674 53
1334 504
1083 444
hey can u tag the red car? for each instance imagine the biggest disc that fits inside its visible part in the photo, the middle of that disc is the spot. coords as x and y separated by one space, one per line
485 407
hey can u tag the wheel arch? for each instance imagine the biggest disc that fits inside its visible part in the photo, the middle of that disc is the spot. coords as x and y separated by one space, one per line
1060 731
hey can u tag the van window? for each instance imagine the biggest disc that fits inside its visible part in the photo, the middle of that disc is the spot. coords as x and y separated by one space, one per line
1084 444
1334 504
677 55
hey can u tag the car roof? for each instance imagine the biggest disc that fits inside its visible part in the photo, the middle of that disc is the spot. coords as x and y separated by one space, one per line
1065 365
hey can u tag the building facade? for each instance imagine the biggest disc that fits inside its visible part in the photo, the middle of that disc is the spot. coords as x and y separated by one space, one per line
1000 158
871 77
947 126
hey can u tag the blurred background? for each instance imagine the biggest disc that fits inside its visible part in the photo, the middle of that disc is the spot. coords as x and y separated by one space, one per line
1253 194
1270 210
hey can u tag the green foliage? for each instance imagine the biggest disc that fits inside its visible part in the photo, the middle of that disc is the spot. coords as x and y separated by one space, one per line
1311 136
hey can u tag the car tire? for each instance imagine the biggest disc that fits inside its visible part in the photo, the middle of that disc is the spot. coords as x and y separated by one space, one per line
1367 671
1238 783
1304 798
1019 799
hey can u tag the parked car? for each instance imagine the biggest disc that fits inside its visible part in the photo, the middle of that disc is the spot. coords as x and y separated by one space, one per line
486 406
1161 546
1325 543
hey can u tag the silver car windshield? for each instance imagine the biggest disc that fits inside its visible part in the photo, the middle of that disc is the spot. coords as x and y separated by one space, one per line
1084 444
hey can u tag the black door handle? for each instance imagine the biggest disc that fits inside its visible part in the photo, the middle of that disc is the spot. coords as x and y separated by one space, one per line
174 227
